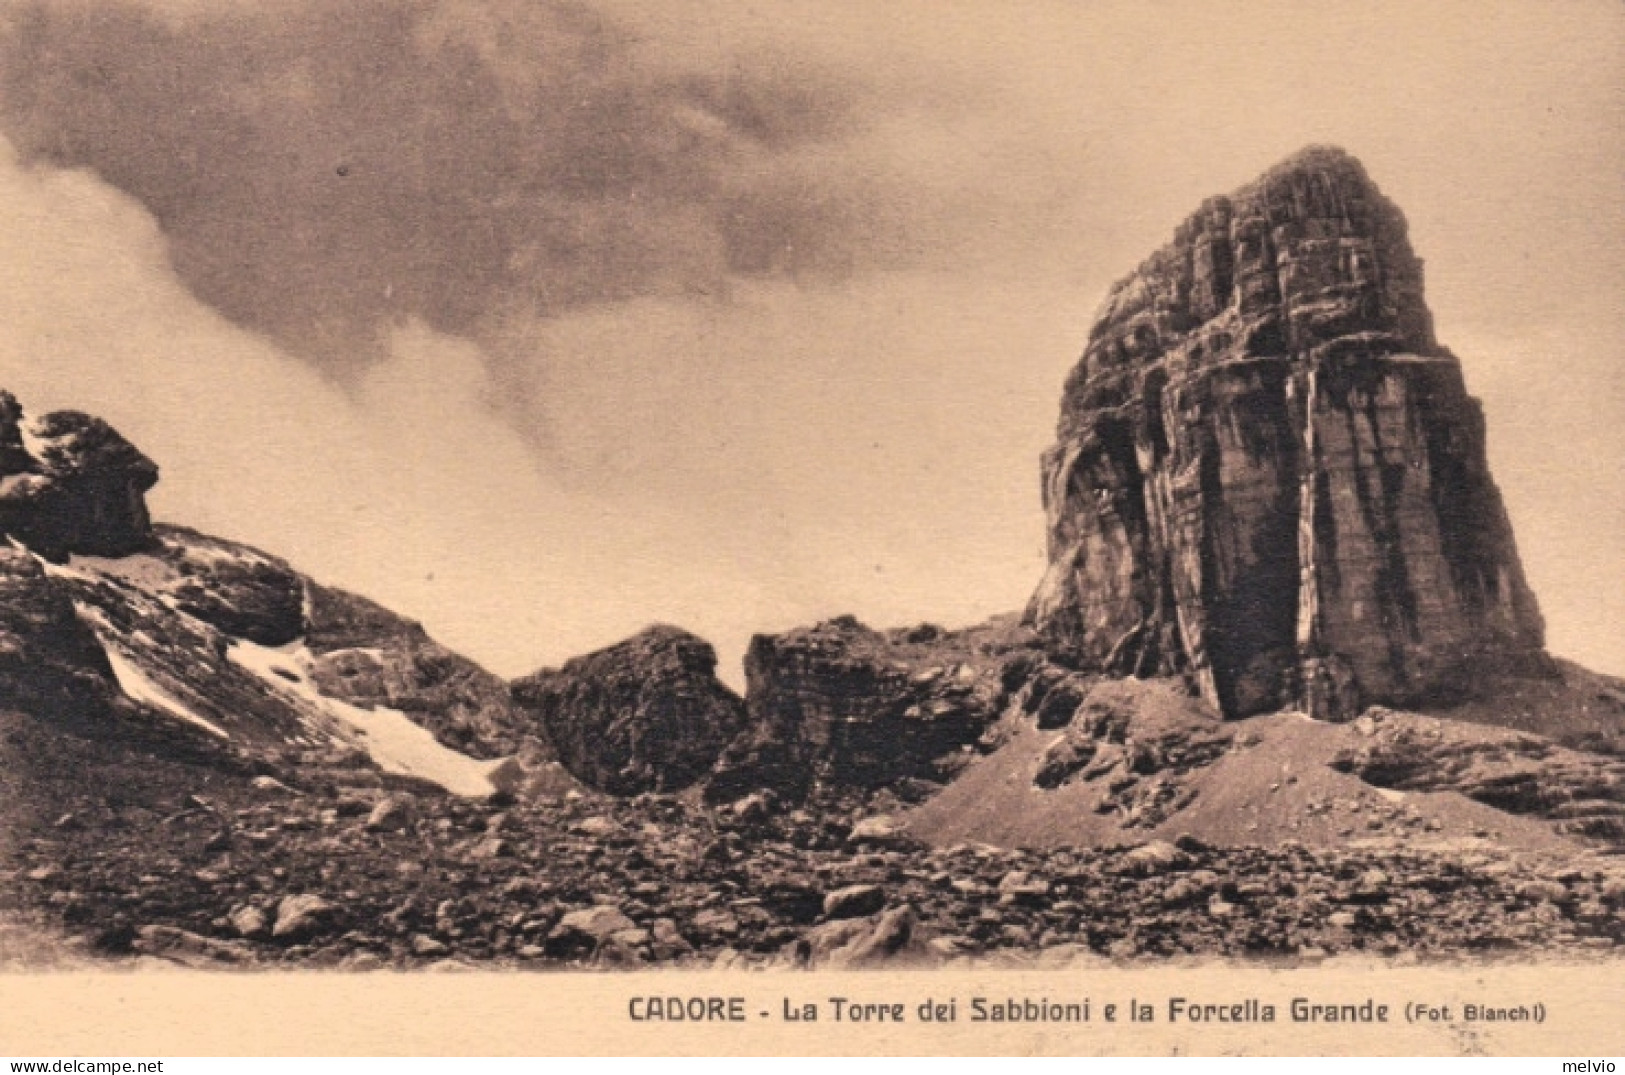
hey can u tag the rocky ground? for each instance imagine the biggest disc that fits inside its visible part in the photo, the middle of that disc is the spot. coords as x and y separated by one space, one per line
358 877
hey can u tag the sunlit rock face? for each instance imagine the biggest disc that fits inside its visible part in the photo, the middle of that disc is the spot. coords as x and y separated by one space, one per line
1268 474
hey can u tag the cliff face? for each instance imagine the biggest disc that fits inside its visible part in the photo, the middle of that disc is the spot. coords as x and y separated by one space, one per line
1269 476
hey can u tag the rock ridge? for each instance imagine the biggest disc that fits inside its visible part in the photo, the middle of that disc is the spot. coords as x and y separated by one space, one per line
646 714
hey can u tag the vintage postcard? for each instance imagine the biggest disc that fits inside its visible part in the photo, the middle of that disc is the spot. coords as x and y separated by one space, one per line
582 526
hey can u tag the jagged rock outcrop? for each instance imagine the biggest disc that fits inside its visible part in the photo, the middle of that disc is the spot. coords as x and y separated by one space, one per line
50 662
364 654
70 484
1138 739
210 645
211 760
222 637
1269 475
241 591
842 704
1520 773
646 714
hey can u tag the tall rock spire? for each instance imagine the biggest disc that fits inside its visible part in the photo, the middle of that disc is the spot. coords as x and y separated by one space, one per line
1269 476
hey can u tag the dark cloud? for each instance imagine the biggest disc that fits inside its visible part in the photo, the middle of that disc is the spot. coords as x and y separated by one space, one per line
323 171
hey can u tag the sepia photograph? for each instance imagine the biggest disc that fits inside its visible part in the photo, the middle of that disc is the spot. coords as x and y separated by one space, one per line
1034 527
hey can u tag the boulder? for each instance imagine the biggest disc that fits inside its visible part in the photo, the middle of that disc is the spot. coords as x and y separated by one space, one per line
581 933
595 922
392 813
1158 856
881 830
238 590
249 921
190 949
647 714
887 939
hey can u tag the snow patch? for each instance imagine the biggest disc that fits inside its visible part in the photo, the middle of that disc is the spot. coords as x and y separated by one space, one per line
270 663
390 738
134 682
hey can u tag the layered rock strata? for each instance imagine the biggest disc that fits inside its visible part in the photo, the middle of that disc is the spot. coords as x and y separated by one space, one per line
1269 475
109 620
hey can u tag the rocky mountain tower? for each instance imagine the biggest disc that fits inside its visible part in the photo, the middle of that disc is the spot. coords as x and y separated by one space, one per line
1268 474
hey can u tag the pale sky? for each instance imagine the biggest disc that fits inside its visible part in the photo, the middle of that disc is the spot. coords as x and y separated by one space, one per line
542 322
